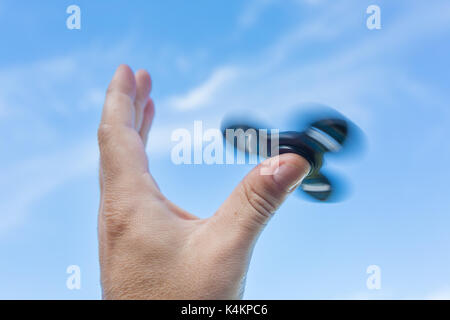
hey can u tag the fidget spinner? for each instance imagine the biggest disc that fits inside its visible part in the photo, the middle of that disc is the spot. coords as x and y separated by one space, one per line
324 134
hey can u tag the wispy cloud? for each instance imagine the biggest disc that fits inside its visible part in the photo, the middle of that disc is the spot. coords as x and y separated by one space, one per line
40 102
254 9
203 94
274 82
252 12
46 108
23 184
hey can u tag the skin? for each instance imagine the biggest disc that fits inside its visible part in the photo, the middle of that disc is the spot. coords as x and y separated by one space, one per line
149 247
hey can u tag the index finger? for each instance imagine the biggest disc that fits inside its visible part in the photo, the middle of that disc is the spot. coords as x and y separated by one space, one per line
118 109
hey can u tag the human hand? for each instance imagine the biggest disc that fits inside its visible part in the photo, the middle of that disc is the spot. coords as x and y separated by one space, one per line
150 248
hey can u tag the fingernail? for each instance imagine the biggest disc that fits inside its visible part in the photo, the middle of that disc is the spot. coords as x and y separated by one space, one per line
289 176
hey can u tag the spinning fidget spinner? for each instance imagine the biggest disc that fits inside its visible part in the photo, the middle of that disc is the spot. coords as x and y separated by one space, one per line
324 134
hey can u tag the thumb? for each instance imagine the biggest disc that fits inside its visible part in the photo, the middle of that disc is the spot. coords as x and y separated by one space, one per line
245 213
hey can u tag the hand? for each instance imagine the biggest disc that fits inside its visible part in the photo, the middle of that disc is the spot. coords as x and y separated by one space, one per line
149 247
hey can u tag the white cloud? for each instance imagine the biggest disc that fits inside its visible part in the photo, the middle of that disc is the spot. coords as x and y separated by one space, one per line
25 85
255 9
40 104
29 181
345 78
204 93
252 11
45 107
92 98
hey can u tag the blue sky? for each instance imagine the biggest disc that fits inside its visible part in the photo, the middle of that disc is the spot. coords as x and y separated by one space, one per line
208 59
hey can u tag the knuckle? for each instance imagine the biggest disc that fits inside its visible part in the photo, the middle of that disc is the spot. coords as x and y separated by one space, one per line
260 203
116 225
115 222
116 213
110 90
104 133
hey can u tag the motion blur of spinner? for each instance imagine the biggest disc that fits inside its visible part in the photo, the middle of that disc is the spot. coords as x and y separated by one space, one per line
326 131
